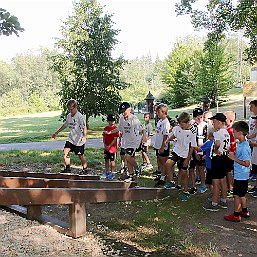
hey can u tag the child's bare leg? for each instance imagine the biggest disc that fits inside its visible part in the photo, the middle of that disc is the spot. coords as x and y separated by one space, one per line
216 190
107 165
83 161
169 169
131 162
112 166
184 178
192 176
224 188
230 180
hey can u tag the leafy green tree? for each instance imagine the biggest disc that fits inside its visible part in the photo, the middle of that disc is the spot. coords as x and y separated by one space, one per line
9 24
221 16
87 70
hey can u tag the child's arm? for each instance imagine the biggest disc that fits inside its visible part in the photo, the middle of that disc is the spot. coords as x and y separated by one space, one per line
233 157
186 161
216 147
107 147
59 130
252 135
171 138
165 137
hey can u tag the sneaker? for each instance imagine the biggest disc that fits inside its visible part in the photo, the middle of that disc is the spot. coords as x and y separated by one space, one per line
83 172
66 171
104 175
179 187
197 181
160 183
223 205
170 185
110 176
148 166
129 179
254 194
193 190
202 189
209 207
185 196
252 190
232 217
245 214
230 194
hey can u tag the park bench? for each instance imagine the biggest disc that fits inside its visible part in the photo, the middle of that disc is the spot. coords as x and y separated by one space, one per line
26 195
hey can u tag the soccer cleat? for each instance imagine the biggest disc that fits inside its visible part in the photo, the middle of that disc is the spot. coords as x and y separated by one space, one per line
210 207
252 190
170 185
66 171
110 176
245 214
179 187
230 193
185 196
104 175
129 179
254 194
193 190
202 189
223 205
232 217
148 166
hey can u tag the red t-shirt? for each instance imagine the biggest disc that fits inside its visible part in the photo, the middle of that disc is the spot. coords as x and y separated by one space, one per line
232 140
109 138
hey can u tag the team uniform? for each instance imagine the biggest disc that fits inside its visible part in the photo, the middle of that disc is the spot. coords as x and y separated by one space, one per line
149 133
76 124
241 173
185 138
162 129
130 130
220 163
108 138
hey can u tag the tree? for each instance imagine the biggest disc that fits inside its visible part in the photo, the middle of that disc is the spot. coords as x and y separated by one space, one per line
87 71
9 24
221 16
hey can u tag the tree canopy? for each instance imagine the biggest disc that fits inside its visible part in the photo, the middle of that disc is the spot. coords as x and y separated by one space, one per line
220 16
9 24
88 72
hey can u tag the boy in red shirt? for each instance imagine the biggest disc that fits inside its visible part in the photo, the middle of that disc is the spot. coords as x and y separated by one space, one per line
110 147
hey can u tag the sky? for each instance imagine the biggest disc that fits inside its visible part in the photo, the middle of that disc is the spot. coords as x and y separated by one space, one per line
146 26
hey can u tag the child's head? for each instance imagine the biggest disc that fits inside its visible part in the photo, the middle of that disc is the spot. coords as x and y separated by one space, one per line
240 129
210 132
218 120
253 106
231 117
206 117
147 117
198 115
111 119
184 120
72 106
125 109
162 111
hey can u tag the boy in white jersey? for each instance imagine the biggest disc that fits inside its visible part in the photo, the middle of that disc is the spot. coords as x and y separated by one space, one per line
185 136
145 146
161 135
131 128
77 137
220 163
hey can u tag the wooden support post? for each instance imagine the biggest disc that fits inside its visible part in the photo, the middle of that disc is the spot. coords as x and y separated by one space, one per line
33 212
244 107
77 216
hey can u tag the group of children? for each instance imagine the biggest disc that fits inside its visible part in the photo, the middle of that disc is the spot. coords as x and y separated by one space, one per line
215 151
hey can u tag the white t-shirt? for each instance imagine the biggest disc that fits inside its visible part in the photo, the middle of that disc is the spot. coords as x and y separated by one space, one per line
221 135
149 132
184 139
162 129
252 130
76 124
130 129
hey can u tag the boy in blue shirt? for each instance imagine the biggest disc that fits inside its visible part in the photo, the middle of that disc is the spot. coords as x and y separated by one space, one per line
241 171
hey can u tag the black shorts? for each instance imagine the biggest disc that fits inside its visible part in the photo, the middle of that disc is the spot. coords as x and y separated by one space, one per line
109 156
195 162
219 166
254 169
122 151
131 151
240 187
208 178
165 153
78 150
143 148
231 165
179 160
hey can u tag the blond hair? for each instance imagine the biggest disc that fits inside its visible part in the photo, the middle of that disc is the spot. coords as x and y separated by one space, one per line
71 103
183 117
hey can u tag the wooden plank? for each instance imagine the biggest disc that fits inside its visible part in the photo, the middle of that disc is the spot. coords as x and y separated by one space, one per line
39 196
77 219
21 182
5 173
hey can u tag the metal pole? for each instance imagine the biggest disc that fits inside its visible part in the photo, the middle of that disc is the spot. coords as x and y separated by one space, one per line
217 95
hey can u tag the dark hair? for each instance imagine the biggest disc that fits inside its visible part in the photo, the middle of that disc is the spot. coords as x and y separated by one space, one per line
160 106
146 113
183 117
71 102
241 126
254 102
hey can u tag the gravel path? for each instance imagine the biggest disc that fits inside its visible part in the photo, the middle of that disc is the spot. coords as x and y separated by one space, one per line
51 145
21 237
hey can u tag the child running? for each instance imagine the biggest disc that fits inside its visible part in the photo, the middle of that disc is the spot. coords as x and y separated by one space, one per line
220 163
110 148
185 140
242 160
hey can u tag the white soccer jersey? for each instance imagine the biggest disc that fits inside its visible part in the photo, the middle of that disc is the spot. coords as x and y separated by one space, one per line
149 132
76 124
130 129
221 135
184 139
162 129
